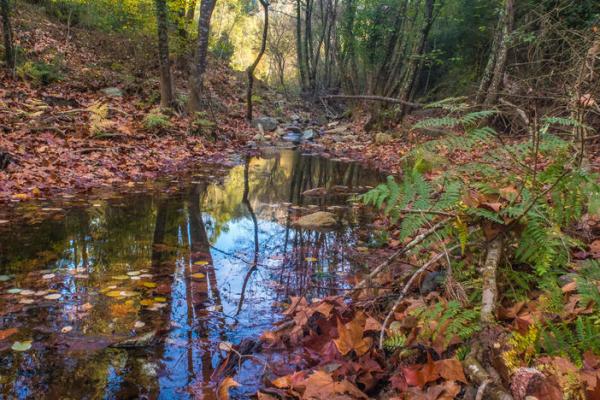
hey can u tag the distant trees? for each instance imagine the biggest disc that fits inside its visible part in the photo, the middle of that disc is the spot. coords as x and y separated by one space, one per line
167 97
9 49
197 74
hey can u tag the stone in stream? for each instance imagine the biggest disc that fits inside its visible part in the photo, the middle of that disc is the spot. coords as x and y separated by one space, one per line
309 134
293 137
268 124
316 221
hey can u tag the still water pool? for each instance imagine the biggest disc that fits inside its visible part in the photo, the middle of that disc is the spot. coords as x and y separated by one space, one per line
128 295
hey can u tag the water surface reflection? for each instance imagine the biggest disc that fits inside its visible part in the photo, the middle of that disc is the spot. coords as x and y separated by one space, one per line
179 271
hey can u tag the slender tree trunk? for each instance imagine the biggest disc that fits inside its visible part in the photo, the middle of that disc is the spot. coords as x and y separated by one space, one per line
299 54
196 80
251 68
9 49
191 10
167 98
414 66
492 78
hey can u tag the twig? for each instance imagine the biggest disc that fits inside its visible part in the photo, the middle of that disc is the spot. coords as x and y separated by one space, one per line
374 98
478 375
407 287
402 251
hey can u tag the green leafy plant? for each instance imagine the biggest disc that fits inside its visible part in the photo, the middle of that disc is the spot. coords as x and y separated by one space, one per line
156 121
452 320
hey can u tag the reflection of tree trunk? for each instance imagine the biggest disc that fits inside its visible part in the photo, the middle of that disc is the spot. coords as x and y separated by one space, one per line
246 202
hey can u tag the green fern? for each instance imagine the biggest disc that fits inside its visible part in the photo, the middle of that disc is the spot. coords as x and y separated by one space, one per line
394 342
453 320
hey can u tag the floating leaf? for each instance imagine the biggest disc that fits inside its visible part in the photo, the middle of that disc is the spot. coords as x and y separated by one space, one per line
21 346
133 273
13 290
48 276
66 329
146 302
149 284
113 293
310 259
226 346
26 300
139 324
7 332
201 262
4 278
160 299
40 293
27 292
198 275
121 277
53 296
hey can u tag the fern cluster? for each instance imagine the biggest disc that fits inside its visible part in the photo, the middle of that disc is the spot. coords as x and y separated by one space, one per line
571 342
452 320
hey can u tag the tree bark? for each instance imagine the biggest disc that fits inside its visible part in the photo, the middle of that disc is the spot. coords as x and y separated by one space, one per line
251 68
299 53
492 78
490 288
196 80
167 98
9 49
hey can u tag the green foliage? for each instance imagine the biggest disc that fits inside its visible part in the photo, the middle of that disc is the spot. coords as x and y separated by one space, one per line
394 342
40 72
571 341
201 125
452 320
223 48
156 121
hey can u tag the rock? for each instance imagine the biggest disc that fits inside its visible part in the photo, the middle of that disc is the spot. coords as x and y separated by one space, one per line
268 124
293 137
318 220
5 159
432 282
259 137
112 92
383 138
293 128
309 134
567 278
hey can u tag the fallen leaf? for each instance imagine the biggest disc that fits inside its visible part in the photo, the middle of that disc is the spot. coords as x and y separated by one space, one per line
7 332
21 346
351 336
224 386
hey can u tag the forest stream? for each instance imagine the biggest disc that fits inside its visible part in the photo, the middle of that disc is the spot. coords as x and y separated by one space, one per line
132 294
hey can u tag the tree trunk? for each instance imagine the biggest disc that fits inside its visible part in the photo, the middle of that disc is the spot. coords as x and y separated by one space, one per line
196 80
490 288
414 66
189 15
251 68
9 50
492 78
300 56
166 81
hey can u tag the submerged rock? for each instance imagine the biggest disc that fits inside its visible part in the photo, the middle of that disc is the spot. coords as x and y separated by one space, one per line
293 137
309 134
318 220
268 124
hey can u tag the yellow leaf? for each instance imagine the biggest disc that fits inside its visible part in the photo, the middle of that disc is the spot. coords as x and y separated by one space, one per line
149 284
146 302
202 262
198 275
160 299
310 259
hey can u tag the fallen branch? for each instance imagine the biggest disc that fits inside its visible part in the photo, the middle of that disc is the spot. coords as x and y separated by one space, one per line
402 251
479 376
406 289
490 288
374 98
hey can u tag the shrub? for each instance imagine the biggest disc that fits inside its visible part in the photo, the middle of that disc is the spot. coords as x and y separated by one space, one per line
156 121
40 72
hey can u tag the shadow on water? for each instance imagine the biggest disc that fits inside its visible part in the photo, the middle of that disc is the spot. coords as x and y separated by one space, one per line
211 259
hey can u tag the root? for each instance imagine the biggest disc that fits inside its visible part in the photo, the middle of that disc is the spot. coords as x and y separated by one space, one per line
490 288
479 376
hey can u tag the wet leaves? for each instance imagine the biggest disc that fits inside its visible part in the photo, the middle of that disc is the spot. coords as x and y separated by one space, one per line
53 296
7 332
224 386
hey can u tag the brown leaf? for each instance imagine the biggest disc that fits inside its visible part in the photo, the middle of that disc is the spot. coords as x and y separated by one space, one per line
223 389
351 336
451 370
320 385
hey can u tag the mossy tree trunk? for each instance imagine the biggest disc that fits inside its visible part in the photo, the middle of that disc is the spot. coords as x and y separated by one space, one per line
167 98
196 79
9 49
